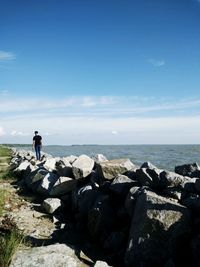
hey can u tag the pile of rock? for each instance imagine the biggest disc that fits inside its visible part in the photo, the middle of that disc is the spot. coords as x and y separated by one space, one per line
140 216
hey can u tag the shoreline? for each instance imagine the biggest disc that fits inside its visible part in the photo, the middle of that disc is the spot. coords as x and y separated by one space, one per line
113 202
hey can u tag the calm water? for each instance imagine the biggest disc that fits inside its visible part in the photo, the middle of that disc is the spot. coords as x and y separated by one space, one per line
163 156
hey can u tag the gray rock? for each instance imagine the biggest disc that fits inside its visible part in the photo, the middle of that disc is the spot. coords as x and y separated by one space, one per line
192 202
195 247
51 204
110 169
46 256
99 158
50 164
132 197
63 167
156 226
143 177
70 159
82 166
191 170
47 183
122 184
148 165
62 186
101 218
197 185
172 179
35 176
24 169
78 194
101 264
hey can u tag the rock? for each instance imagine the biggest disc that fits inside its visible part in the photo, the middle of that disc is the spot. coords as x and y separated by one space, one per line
46 256
70 159
47 183
192 202
99 158
110 169
149 176
101 264
172 193
77 196
132 197
24 169
101 218
51 204
148 165
197 185
115 242
189 186
50 164
82 166
35 176
122 184
195 247
143 177
157 225
190 170
62 186
172 179
64 168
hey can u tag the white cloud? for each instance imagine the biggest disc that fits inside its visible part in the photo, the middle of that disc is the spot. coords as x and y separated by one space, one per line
114 132
2 131
88 102
157 62
6 56
19 133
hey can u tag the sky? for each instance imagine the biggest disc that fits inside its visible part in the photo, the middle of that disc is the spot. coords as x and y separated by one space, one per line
100 71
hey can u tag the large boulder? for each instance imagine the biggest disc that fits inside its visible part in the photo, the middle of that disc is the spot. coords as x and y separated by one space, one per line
99 158
156 227
47 183
63 167
24 169
51 204
82 166
191 170
110 169
63 185
70 158
50 164
35 176
172 179
122 184
131 198
46 256
101 218
149 175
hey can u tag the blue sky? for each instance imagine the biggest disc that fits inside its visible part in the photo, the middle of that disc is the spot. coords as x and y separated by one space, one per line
100 71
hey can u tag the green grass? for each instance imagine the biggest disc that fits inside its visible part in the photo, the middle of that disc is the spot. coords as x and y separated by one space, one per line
9 243
4 151
3 194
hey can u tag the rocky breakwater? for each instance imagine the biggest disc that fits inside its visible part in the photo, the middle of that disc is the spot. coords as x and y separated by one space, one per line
136 216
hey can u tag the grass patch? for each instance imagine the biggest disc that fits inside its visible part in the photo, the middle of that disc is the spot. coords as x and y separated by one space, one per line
5 151
3 195
10 239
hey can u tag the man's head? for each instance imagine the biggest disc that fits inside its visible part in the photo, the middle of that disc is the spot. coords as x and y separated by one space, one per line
36 132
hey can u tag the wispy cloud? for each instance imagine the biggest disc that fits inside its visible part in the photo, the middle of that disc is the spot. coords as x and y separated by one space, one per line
157 62
2 131
19 133
98 106
6 56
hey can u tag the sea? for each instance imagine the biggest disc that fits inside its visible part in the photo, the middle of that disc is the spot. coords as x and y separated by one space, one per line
163 156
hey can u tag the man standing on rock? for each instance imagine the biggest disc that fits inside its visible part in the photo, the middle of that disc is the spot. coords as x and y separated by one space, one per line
37 145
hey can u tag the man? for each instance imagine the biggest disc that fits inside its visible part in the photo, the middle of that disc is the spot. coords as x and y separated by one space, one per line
37 145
